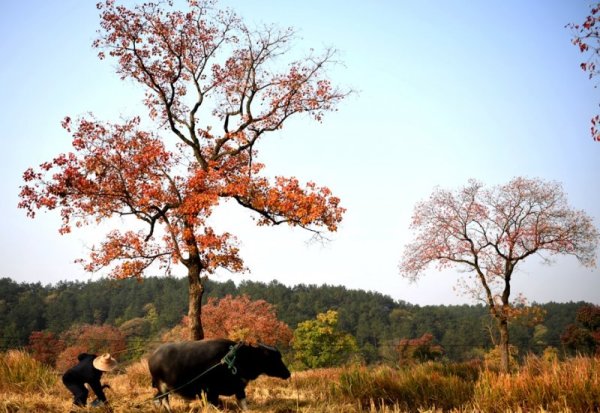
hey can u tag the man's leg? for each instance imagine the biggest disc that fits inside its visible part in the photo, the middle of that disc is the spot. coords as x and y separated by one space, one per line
80 393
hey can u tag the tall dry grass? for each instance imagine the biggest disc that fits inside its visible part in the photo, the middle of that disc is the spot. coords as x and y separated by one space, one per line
538 386
418 388
20 373
572 385
26 385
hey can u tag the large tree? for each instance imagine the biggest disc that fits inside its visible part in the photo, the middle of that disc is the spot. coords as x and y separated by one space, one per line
214 87
586 36
488 232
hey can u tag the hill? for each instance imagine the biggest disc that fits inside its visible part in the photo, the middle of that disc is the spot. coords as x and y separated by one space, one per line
375 320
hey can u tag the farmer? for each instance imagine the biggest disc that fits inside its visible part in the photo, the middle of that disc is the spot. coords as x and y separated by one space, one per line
89 370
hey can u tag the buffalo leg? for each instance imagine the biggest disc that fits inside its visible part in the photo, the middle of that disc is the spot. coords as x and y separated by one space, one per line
162 397
240 396
242 403
164 402
213 398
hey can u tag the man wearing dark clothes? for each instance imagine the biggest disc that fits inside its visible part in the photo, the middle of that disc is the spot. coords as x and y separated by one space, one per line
89 370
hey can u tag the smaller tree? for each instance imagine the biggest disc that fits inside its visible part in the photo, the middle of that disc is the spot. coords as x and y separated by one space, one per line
319 343
489 232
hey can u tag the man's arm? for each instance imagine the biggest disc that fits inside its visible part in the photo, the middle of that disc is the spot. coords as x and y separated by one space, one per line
97 388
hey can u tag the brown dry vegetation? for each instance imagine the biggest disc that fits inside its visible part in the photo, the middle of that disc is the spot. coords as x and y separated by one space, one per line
538 385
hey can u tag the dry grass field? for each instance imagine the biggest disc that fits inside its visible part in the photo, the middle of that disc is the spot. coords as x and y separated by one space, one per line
572 385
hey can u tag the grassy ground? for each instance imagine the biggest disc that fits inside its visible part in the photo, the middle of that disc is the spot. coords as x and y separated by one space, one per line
537 386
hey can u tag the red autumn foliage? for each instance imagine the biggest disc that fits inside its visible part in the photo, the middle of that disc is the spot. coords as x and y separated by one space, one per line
419 349
92 339
215 88
586 36
238 318
45 347
584 336
589 317
68 357
488 232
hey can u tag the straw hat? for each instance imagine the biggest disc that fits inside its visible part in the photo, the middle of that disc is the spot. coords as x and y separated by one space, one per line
105 362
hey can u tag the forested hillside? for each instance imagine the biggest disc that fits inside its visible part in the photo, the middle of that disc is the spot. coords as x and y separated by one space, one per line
376 321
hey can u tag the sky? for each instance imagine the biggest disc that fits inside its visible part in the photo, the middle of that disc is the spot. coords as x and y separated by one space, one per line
446 91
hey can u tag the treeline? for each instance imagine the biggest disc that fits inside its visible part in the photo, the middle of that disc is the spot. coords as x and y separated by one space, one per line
376 321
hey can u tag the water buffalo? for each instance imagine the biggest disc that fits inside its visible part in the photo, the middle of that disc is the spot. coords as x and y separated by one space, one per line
215 367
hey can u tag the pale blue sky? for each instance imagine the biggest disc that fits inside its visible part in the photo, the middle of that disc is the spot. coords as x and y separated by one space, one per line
447 91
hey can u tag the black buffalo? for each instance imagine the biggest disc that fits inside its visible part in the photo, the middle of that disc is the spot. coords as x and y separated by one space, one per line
215 367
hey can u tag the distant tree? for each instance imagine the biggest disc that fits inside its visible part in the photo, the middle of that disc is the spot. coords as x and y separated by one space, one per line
68 357
319 343
489 232
152 316
539 338
587 39
62 308
214 88
136 327
524 320
45 347
584 335
589 317
459 329
241 319
559 316
21 312
136 332
89 339
419 349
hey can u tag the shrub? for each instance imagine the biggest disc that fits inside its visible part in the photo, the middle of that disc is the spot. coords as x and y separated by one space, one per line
68 357
420 349
239 319
45 347
320 343
468 370
96 339
136 327
492 358
89 339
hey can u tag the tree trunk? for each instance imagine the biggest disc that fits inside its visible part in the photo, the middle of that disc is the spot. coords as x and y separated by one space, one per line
196 289
504 349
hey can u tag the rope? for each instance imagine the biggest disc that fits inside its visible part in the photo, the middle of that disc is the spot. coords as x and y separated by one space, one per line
228 359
